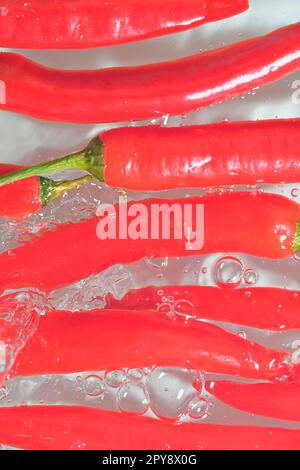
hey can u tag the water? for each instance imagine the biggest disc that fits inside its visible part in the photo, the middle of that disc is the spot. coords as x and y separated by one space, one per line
165 393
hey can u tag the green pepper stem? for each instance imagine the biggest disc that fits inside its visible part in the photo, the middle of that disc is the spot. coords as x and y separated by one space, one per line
52 189
296 242
89 159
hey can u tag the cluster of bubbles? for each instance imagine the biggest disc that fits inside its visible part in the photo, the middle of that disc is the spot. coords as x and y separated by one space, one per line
167 393
228 272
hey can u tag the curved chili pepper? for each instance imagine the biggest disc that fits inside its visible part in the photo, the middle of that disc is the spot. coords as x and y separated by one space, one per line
149 91
76 24
259 224
260 307
158 158
24 198
280 400
78 428
106 340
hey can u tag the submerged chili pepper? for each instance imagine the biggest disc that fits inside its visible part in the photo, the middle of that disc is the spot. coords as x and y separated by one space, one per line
259 307
24 198
107 340
278 400
78 428
156 158
259 224
149 91
77 24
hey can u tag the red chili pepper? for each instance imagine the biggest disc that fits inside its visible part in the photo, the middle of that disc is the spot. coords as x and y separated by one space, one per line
78 428
156 158
77 24
107 340
259 307
24 198
259 224
143 92
278 400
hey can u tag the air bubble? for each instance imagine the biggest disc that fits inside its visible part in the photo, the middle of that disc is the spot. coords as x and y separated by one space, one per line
93 386
170 390
250 276
165 308
135 374
295 192
242 334
184 307
198 407
115 378
133 398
